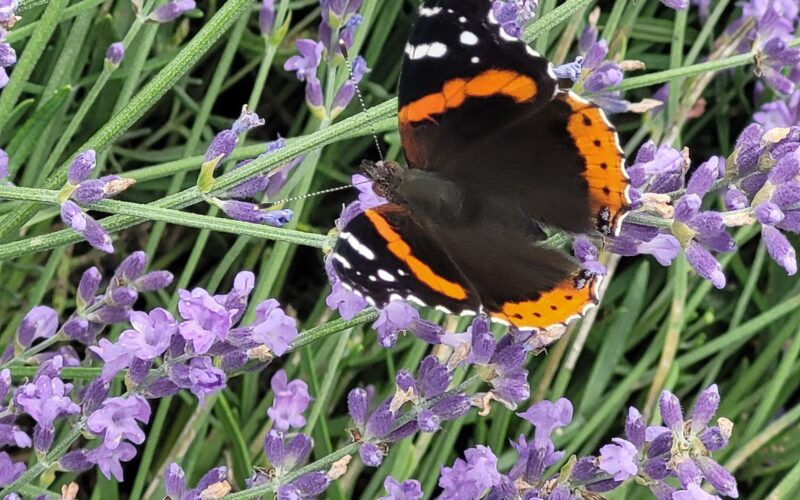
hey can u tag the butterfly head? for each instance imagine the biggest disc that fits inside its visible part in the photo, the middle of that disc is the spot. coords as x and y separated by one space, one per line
386 177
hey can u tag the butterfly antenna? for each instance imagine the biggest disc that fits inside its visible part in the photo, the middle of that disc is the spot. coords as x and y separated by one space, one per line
374 132
343 48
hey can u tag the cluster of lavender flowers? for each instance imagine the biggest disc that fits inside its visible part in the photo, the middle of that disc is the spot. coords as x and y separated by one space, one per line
195 351
233 202
340 20
8 57
645 456
81 191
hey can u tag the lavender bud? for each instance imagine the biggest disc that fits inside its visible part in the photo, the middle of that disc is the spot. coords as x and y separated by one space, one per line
311 484
299 449
603 486
278 218
713 439
77 328
171 10
662 490
483 343
735 199
162 387
132 267
671 412
656 468
357 406
779 249
88 192
451 407
428 421
660 445
433 377
703 178
8 57
403 432
371 455
635 428
405 381
266 17
138 370
174 481
274 448
81 167
787 195
705 265
40 322
5 382
152 281
689 473
75 461
585 469
785 170
752 184
87 288
768 213
43 437
115 54
706 407
94 395
380 422
73 216
109 315
123 296
97 236
3 162
722 480
427 331
222 145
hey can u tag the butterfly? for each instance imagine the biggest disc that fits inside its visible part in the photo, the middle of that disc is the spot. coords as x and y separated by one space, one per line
495 152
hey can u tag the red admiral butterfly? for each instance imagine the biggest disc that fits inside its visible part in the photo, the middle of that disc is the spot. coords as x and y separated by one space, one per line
495 150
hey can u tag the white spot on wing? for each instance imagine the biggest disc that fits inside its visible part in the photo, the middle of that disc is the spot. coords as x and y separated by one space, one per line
475 60
429 11
491 17
385 275
468 38
341 260
462 19
358 247
435 50
532 52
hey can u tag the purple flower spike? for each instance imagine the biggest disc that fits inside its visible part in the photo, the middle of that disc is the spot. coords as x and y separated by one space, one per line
115 53
619 459
291 399
305 65
116 420
206 321
81 167
41 322
396 316
171 11
273 327
546 416
779 249
407 490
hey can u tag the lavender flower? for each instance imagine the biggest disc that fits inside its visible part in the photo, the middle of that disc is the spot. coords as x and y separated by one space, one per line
205 320
306 63
348 89
225 141
619 459
109 460
470 478
9 470
407 490
4 174
780 113
547 416
151 334
199 376
273 327
291 399
8 56
171 10
94 190
81 167
600 75
284 454
116 420
394 317
676 4
176 488
8 12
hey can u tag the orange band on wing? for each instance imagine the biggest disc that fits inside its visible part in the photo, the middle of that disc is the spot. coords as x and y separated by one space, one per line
569 300
605 173
421 271
491 82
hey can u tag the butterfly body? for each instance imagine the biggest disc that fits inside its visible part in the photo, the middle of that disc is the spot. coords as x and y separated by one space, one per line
495 152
